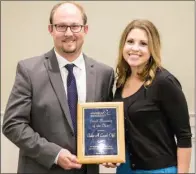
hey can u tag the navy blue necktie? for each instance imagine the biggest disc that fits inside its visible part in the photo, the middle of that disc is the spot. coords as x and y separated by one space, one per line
72 95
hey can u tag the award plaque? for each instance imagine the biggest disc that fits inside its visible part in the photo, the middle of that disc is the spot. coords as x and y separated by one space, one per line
100 133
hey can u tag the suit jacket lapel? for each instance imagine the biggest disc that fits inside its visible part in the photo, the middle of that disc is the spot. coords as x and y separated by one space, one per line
57 83
90 79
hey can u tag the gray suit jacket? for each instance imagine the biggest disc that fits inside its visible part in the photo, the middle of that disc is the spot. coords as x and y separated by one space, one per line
37 117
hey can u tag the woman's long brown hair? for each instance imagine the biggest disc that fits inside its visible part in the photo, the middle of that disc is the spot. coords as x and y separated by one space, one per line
147 75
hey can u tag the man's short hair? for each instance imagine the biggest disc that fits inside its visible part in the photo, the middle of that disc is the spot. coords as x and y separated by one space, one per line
84 16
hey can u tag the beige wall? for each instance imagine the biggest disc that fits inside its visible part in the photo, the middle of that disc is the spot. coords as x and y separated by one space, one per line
24 34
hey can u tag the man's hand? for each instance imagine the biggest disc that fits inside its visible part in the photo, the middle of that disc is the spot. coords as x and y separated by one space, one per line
67 160
111 165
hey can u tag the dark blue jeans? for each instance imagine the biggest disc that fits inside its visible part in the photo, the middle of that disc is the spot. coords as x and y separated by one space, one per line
124 168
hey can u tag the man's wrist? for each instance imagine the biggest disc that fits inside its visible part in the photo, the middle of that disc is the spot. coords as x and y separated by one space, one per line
56 159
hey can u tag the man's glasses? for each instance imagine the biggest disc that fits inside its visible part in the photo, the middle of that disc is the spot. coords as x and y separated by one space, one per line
63 28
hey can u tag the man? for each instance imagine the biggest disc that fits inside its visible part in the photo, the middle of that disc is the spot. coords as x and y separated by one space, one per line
41 109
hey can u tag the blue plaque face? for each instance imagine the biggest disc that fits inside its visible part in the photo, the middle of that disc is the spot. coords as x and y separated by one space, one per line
100 131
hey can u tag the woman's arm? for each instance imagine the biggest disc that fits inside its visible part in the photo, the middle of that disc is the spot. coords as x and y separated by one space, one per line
184 158
175 108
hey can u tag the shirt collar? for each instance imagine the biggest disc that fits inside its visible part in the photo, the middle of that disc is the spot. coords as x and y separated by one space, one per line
79 62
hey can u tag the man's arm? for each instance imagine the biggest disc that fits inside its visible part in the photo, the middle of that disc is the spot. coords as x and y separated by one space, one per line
17 120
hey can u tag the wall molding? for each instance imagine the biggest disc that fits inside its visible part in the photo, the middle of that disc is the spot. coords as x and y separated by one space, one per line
192 118
192 123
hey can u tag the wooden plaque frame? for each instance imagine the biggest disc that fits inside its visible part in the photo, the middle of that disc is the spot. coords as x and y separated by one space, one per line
98 159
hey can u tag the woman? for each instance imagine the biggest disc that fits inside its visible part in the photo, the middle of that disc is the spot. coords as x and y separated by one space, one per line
154 105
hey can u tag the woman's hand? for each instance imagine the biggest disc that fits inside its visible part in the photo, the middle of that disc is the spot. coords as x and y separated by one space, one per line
111 165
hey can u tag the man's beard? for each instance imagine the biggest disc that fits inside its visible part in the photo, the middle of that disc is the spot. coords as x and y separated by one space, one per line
67 51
